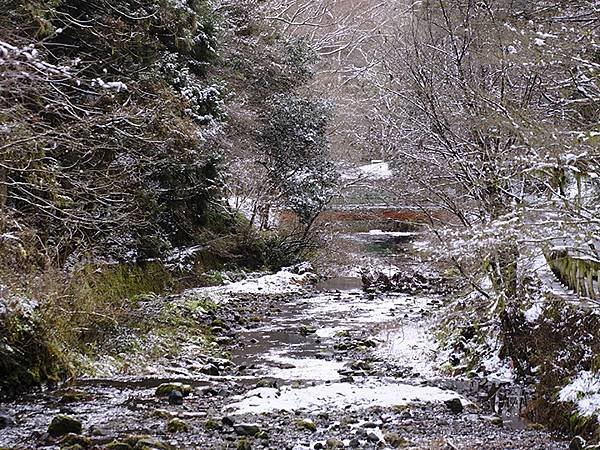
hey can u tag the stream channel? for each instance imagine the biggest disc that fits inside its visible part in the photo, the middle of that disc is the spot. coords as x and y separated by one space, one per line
325 366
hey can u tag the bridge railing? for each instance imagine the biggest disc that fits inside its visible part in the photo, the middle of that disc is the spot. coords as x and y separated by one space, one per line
579 273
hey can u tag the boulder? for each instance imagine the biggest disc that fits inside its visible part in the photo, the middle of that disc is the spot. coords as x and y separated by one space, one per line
62 425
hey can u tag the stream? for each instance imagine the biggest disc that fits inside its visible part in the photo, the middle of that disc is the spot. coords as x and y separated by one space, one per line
322 366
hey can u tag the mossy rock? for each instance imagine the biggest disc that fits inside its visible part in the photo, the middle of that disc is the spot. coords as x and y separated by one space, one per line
72 439
394 440
244 444
211 424
176 425
165 389
62 425
117 445
307 424
150 443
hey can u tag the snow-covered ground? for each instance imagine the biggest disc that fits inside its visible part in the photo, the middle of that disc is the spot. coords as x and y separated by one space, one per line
289 280
379 392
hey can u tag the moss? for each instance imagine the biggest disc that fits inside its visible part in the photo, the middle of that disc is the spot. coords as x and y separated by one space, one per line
29 356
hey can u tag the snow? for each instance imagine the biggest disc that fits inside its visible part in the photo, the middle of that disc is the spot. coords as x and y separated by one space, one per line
392 233
250 209
584 392
383 393
410 346
376 170
282 282
305 368
534 313
499 370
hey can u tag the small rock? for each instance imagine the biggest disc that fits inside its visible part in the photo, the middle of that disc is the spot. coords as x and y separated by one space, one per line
246 429
496 420
263 435
354 443
150 443
360 365
244 444
394 440
61 425
176 425
6 421
72 439
372 437
210 369
175 398
228 421
454 405
369 425
347 421
307 424
266 384
223 340
117 445
334 443
211 424
165 389
319 446
305 330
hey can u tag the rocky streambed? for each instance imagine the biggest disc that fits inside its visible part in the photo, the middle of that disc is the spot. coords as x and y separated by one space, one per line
318 368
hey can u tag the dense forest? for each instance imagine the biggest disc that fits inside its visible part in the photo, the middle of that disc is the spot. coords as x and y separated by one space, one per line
159 157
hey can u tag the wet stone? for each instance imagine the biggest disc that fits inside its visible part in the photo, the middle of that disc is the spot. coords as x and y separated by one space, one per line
228 421
175 398
6 421
210 369
454 405
167 388
496 420
62 425
372 437
247 429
